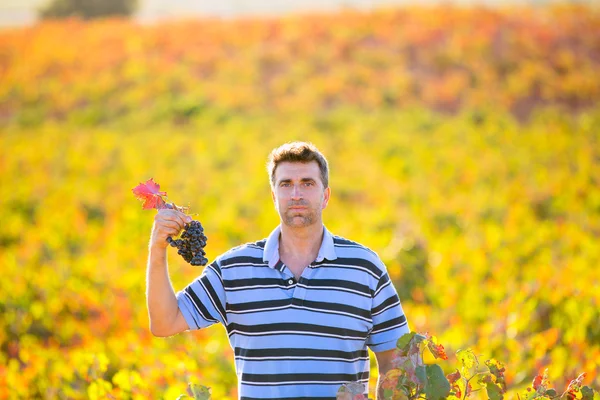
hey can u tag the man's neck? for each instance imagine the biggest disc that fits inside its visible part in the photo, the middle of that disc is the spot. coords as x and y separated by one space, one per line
299 247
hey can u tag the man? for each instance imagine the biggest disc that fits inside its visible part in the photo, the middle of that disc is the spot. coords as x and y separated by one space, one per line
299 307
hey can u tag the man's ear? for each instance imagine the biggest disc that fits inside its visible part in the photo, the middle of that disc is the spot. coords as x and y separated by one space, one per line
273 196
326 195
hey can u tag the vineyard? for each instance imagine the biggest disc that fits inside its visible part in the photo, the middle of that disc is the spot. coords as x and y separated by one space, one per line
464 149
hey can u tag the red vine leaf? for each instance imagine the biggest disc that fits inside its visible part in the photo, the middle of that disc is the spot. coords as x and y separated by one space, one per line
150 194
453 377
435 348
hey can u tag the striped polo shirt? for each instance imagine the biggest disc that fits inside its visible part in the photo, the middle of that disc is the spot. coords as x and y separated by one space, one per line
298 339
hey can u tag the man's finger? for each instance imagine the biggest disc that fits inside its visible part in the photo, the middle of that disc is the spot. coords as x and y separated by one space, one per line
171 232
170 225
173 215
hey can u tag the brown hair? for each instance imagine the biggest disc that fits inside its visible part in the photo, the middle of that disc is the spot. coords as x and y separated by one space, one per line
303 152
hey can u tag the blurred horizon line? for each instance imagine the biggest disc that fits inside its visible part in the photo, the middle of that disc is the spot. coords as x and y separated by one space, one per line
16 13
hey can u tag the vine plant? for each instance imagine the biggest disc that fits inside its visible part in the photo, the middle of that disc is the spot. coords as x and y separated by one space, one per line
413 379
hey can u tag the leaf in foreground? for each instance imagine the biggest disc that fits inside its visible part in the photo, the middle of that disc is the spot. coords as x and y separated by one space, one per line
436 384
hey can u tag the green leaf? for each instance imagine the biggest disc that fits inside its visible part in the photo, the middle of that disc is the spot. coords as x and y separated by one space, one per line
421 374
419 338
436 385
198 392
551 393
494 392
388 393
404 341
406 383
587 393
467 358
529 394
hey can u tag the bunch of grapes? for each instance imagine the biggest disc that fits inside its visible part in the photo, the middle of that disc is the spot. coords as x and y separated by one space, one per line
191 243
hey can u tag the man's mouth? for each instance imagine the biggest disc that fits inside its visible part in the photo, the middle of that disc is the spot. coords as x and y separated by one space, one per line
298 206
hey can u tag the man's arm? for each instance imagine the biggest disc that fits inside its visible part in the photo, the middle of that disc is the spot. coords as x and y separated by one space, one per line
165 317
384 364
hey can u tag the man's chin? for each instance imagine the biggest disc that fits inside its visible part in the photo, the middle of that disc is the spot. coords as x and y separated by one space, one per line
298 221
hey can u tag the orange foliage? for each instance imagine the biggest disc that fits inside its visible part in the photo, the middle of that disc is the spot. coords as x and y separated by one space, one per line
489 227
443 57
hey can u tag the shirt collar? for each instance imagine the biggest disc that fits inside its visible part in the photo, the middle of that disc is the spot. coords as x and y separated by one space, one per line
271 252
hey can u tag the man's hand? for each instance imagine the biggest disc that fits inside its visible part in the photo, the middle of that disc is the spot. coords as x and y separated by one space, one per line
167 223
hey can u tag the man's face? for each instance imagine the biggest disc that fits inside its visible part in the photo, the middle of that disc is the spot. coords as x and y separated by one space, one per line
299 194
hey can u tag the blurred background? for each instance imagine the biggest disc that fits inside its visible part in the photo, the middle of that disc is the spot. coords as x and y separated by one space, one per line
24 12
464 147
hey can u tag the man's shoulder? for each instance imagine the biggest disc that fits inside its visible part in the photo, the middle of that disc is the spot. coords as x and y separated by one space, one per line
248 251
342 244
346 248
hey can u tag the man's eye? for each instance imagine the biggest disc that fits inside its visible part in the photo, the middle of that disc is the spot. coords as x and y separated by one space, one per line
284 184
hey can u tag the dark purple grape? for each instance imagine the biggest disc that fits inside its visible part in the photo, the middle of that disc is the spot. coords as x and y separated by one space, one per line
190 244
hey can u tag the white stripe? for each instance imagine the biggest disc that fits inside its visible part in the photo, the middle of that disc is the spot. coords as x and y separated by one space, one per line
388 329
258 287
387 308
357 246
331 312
295 383
389 282
243 265
259 309
253 246
354 246
302 333
303 358
352 266
212 300
217 273
333 288
319 310
198 309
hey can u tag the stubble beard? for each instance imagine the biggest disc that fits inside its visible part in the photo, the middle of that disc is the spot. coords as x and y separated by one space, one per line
291 220
294 219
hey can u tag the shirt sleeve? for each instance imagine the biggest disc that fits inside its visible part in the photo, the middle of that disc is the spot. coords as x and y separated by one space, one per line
389 321
202 302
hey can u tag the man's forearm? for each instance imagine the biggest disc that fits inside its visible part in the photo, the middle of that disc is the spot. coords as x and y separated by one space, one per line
379 391
385 363
160 297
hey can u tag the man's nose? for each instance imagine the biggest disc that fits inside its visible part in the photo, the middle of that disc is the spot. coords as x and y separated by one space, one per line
296 192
